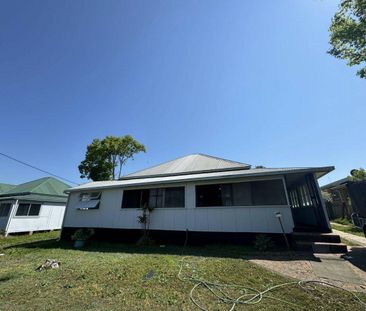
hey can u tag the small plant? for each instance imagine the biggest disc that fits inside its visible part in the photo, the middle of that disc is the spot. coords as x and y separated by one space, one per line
82 234
144 219
263 243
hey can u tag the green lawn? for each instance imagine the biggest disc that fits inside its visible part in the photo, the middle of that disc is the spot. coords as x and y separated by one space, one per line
111 277
349 229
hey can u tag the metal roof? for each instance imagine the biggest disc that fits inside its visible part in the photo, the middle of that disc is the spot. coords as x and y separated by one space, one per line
257 172
47 187
336 183
5 187
36 198
190 164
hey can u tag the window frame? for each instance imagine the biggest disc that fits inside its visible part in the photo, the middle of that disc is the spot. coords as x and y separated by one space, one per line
157 195
235 181
29 208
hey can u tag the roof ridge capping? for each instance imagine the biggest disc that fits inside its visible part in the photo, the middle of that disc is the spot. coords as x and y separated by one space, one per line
189 164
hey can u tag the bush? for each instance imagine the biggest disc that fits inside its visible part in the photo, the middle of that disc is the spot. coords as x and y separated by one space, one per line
263 243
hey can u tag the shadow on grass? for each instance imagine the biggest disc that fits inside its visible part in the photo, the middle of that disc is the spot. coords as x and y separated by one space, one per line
210 250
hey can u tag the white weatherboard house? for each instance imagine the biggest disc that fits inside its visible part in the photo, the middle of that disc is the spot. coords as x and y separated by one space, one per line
208 196
37 205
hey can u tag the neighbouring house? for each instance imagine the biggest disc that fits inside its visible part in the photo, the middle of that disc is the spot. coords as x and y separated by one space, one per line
345 197
32 206
212 198
338 201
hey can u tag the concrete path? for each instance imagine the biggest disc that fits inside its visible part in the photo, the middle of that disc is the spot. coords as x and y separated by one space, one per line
361 241
332 268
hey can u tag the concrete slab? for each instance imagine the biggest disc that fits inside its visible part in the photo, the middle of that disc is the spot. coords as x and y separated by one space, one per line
335 268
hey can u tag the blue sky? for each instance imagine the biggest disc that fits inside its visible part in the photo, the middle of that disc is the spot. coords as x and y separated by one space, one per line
244 80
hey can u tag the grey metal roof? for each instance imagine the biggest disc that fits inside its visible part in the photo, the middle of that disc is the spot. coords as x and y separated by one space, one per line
336 183
190 164
125 183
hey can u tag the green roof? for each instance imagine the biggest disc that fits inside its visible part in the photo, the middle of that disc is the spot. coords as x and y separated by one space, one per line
37 198
49 188
5 187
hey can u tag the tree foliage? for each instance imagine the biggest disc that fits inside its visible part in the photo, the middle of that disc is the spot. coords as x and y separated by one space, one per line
358 174
105 158
348 34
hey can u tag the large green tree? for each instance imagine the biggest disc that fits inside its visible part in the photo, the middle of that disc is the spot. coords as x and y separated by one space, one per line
348 34
105 158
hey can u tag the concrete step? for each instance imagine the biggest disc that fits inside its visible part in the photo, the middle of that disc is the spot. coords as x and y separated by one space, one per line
324 247
306 246
316 237
321 247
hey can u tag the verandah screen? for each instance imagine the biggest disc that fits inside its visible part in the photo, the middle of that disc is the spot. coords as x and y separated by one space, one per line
267 192
154 198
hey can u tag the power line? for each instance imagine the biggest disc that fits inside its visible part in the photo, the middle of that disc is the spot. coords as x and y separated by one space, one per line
36 168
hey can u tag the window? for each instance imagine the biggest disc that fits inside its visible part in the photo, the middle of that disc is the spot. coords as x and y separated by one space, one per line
89 200
268 192
27 209
174 197
5 209
135 198
88 196
34 210
214 195
155 198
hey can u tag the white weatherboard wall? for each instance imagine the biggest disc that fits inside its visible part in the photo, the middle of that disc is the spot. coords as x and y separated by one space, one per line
49 218
209 219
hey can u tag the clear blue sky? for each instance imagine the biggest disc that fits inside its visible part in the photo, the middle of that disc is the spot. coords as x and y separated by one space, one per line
244 80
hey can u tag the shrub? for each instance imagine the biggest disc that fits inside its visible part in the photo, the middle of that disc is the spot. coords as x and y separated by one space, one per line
263 243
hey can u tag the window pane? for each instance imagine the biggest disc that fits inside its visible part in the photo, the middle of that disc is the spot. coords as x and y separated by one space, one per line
268 192
131 199
34 210
84 197
156 198
226 195
208 195
242 195
5 209
174 197
22 209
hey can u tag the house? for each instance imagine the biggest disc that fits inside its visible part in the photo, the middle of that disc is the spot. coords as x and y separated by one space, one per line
345 198
32 206
212 198
338 201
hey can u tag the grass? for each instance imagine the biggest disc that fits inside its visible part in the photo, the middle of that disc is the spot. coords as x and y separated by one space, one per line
348 229
112 277
343 221
349 243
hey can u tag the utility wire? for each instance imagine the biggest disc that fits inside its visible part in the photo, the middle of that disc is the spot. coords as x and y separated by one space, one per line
36 168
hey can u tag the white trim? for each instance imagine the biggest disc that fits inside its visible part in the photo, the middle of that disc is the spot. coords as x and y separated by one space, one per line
11 216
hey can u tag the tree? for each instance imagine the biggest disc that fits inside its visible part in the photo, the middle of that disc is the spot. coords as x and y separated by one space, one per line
358 175
105 158
348 34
